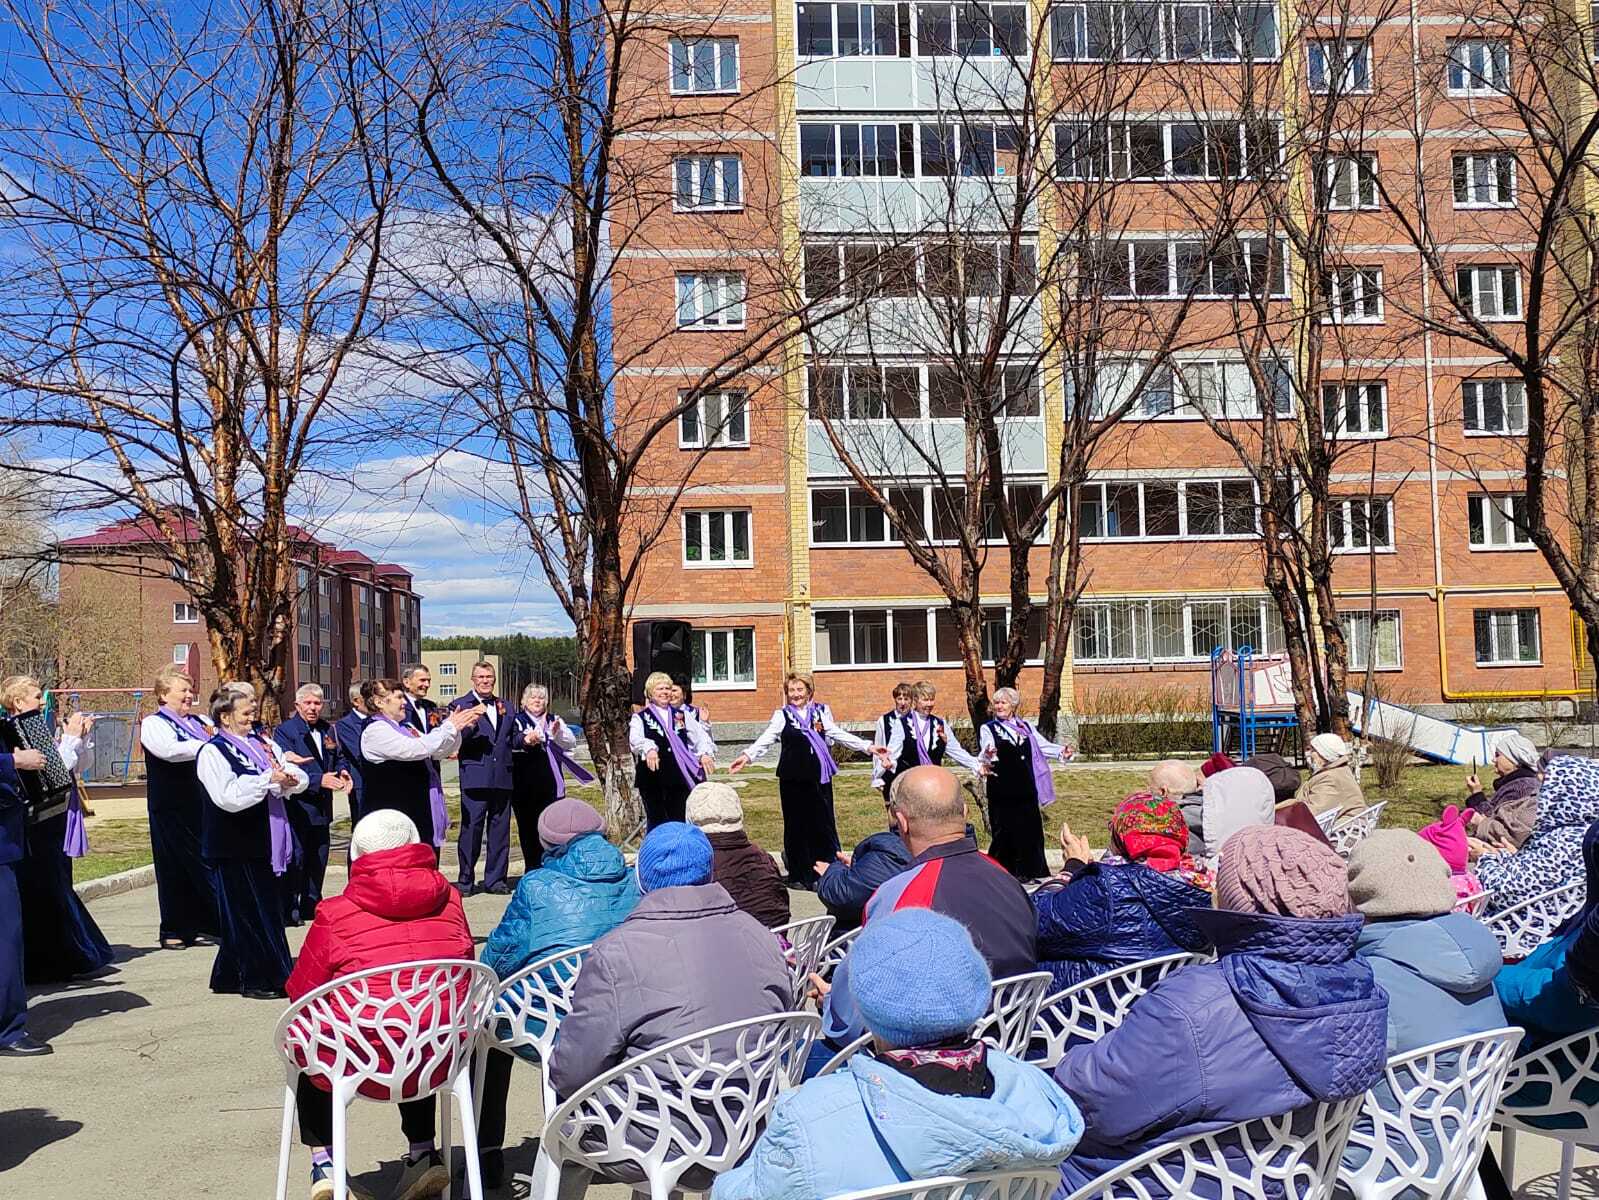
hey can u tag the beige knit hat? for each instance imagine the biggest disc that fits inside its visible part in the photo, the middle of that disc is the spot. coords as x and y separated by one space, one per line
383 829
715 807
1397 873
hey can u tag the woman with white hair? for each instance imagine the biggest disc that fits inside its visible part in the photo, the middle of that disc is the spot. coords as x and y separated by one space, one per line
1503 819
673 750
1020 786
1332 783
541 759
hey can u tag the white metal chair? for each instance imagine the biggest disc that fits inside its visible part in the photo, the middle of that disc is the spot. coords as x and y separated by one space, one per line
1328 819
1086 1011
1475 904
400 1032
1421 1132
537 997
1037 1184
807 940
1349 833
1296 1154
1542 1086
833 953
699 1101
1013 1011
1523 927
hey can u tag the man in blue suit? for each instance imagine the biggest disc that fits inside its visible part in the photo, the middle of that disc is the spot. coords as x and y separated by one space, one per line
485 761
347 733
15 1041
309 742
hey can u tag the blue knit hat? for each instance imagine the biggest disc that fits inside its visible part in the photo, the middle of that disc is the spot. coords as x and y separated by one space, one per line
917 979
673 855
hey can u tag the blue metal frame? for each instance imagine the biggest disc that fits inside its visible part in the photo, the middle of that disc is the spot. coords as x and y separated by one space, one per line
1245 718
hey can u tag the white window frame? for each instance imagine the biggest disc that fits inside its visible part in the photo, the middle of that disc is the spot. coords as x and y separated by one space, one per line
1183 533
726 400
954 13
1477 66
1469 164
1335 405
928 614
1164 34
185 612
1265 612
722 168
180 654
730 634
1500 506
1356 173
1471 293
863 22
1471 400
448 669
1277 289
721 48
1320 61
728 518
710 300
891 537
1361 285
1170 380
1496 657
1373 619
1354 513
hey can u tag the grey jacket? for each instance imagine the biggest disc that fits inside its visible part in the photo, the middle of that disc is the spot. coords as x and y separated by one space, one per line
684 960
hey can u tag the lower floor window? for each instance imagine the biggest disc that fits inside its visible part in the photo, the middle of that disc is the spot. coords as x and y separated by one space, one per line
1506 636
1175 628
1373 639
724 656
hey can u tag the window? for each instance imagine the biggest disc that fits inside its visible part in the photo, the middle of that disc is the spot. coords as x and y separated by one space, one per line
979 149
1506 637
184 613
181 574
864 393
1349 182
1354 295
916 636
1491 293
702 65
1193 389
1222 149
710 301
447 691
305 653
1168 509
707 182
1484 180
850 517
1355 410
971 30
853 29
1137 31
716 538
1341 66
860 269
448 669
853 150
1360 523
714 419
1157 267
180 654
1174 628
1498 522
1494 406
723 657
1478 66
1373 639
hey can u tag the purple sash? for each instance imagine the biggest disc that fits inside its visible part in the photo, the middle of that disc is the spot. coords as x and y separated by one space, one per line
1043 781
806 720
688 764
918 736
277 814
76 843
560 761
190 725
440 811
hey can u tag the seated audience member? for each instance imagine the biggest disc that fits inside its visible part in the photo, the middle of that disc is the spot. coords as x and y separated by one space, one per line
686 959
748 872
1178 782
1332 783
1234 798
1568 802
1447 835
1504 818
927 1100
1284 776
1133 904
580 890
395 908
851 879
1287 1017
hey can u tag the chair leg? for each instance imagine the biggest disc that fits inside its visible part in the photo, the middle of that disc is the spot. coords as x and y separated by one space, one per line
341 1152
1507 1157
480 1070
446 1141
464 1099
1568 1160
286 1139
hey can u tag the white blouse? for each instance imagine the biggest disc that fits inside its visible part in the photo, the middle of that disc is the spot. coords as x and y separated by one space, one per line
835 733
235 793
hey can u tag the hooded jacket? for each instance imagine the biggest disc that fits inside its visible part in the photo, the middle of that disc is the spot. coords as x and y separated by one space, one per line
871 1126
750 876
1112 915
1568 802
846 888
1232 799
1286 1018
1439 975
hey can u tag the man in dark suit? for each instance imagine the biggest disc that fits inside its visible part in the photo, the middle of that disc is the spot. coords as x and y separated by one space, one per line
309 742
419 710
15 1041
347 734
485 759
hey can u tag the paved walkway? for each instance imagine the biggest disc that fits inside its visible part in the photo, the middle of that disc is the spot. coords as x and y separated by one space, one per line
160 1089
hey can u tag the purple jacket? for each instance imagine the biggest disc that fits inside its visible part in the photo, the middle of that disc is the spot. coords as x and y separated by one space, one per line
1286 1018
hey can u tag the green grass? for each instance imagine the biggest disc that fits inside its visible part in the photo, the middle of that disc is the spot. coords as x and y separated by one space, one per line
114 846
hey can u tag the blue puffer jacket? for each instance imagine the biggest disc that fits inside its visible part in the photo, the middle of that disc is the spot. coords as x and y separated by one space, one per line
844 890
1286 1018
583 889
1111 915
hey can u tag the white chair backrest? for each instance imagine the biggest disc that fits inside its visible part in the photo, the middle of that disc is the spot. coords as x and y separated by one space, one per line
538 995
1475 904
699 1101
1523 927
1086 1011
404 1030
1346 835
1013 1011
833 953
807 940
844 1055
1292 1155
1426 1134
1550 1077
1037 1184
1328 819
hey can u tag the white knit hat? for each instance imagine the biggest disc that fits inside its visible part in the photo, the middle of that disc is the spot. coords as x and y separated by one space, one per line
715 807
1330 747
383 829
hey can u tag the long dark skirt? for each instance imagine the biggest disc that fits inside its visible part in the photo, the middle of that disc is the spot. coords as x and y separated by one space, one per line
60 939
528 802
664 793
810 834
1016 824
184 888
254 954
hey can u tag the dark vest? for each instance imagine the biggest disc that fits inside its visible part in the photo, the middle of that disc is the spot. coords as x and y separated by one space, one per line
403 786
670 774
240 835
1012 777
172 785
795 758
530 765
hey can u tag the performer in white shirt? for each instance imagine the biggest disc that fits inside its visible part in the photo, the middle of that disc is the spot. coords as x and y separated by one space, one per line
923 738
673 749
171 737
1020 786
399 758
541 759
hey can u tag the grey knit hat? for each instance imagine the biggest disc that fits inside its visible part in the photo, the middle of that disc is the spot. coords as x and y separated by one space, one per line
1397 873
714 806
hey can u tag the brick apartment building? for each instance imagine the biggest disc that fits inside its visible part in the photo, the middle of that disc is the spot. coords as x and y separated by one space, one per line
801 130
354 618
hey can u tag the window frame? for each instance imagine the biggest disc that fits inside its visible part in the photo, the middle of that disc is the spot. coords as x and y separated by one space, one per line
732 683
449 670
1183 533
1363 164
720 441
1338 279
1460 168
1347 506
1373 618
1503 271
180 654
1336 429
728 520
1477 614
928 492
1506 382
1246 245
1265 613
720 44
1473 82
929 614
719 172
185 612
1503 505
1362 61
1164 34
704 281
1176 385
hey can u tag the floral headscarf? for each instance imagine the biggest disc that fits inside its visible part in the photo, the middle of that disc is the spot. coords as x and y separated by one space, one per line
1152 832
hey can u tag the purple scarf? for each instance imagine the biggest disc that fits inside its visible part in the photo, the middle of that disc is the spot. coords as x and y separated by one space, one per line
441 812
806 719
189 724
688 764
560 761
277 815
76 843
1043 781
921 737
